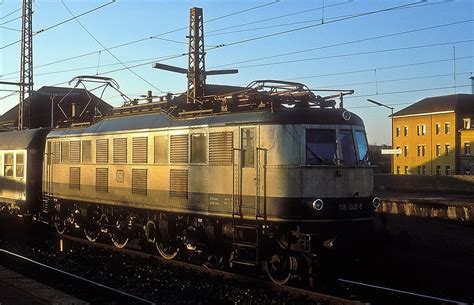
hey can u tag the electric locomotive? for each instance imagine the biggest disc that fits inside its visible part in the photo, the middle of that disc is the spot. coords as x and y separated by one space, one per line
265 176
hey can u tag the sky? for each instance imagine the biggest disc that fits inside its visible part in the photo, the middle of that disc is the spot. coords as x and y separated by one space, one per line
394 52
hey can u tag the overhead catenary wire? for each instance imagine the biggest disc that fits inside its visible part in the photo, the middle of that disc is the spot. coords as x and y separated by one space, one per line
355 54
209 33
152 60
381 68
314 25
11 13
144 39
222 32
262 58
59 24
394 80
108 51
11 20
345 43
402 91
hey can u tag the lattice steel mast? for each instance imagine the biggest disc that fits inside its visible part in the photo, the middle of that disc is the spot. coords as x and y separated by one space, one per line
196 71
196 57
26 63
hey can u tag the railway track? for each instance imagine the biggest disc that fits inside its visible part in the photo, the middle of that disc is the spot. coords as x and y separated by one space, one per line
369 293
317 297
344 290
85 289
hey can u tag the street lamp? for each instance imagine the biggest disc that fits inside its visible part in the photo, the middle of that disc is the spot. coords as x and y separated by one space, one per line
391 108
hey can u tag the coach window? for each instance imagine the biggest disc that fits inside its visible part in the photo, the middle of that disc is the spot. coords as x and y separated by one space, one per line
320 146
348 148
8 165
65 152
161 149
198 148
20 165
248 147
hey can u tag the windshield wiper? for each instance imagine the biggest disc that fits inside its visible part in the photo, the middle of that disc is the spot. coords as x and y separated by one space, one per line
315 154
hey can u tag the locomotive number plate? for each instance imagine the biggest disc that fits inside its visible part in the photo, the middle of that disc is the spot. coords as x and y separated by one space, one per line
343 207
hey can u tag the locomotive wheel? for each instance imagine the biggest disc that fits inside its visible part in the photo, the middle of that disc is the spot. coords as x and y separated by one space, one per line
119 239
279 268
167 250
60 225
92 233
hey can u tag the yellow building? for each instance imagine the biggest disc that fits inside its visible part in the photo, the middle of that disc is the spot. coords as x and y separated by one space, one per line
435 136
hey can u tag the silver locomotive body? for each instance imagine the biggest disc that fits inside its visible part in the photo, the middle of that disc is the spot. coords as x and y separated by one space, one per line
296 166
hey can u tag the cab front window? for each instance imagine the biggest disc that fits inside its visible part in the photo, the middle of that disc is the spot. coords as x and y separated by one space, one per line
362 146
320 146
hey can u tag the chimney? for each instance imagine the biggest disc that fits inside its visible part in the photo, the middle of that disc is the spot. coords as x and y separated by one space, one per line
472 84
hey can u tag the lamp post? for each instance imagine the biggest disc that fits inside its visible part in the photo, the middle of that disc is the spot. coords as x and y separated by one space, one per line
391 135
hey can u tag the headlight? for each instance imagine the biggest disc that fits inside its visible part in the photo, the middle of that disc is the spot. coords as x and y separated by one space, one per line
318 204
376 202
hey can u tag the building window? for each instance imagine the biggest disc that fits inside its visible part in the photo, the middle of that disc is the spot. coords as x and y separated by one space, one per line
423 150
447 128
405 131
467 171
328 144
418 130
423 129
199 148
418 150
397 131
398 170
406 170
398 149
438 170
467 148
405 151
448 170
446 149
423 170
419 170
467 123
8 165
438 150
438 128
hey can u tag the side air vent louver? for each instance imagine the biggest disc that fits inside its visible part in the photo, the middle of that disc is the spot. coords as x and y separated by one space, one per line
75 152
220 147
102 180
140 150
139 182
56 152
179 183
179 149
75 178
120 150
102 151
